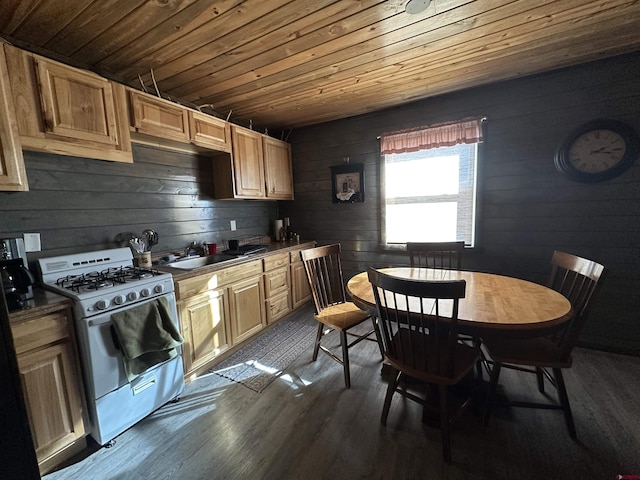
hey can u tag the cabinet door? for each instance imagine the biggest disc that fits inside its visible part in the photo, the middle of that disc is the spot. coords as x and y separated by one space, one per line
13 176
278 169
210 132
248 163
246 301
158 117
76 104
65 110
52 396
300 290
204 322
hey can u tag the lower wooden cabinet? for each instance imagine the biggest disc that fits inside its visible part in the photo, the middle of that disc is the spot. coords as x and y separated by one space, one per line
277 286
220 310
300 290
204 321
52 386
246 301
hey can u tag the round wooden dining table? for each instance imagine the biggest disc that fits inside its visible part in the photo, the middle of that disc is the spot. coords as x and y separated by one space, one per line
494 305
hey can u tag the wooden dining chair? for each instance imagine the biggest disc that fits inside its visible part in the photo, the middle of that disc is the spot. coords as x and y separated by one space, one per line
419 326
579 280
446 255
333 310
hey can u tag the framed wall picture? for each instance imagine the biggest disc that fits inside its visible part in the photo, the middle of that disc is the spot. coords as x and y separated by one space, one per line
348 183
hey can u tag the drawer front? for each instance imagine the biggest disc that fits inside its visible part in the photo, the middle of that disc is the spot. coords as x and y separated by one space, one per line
276 281
278 306
275 261
41 331
205 282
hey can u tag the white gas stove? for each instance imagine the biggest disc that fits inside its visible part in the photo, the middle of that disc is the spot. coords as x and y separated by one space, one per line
102 281
102 284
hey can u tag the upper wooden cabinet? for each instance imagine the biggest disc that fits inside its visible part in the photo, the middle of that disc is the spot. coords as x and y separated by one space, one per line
51 107
259 168
209 132
13 176
171 125
240 175
65 110
157 117
277 169
248 162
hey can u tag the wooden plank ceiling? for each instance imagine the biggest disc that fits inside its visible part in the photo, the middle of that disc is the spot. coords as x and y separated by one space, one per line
284 64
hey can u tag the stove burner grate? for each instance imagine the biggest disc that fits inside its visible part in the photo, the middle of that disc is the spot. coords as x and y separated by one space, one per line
105 278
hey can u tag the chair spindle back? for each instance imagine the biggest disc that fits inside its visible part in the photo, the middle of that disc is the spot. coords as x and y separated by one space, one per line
579 280
418 321
324 272
447 255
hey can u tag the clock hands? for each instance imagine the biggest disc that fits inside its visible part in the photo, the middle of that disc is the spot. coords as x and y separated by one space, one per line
602 150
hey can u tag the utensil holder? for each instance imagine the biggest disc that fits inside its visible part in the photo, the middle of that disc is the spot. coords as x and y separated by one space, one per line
143 260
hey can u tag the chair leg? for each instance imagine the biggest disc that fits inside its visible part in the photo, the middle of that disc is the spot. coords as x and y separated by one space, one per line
478 343
444 424
391 389
316 348
376 328
493 386
540 377
564 401
345 358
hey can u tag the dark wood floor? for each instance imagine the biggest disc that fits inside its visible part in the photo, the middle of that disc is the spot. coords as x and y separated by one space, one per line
306 425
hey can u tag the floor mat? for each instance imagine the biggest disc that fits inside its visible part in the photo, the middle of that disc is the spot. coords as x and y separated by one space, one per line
260 362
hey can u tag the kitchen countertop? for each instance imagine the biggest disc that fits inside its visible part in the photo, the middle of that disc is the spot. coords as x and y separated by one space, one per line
272 249
42 303
45 301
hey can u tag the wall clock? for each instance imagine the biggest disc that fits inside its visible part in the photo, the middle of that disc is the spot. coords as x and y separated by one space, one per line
598 150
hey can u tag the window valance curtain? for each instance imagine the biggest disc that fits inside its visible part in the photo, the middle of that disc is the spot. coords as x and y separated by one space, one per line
468 130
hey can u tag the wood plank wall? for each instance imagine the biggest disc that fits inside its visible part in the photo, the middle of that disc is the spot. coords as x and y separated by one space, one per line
80 204
528 209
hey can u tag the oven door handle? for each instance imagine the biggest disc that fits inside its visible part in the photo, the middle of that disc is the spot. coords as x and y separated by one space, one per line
114 337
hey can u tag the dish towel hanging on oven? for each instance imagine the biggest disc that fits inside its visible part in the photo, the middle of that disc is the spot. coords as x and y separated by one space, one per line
147 336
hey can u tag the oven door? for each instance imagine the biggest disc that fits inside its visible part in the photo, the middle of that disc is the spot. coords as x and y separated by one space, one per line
102 360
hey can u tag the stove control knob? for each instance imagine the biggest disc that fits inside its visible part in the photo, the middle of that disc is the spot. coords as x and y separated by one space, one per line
132 296
119 299
145 292
102 304
158 288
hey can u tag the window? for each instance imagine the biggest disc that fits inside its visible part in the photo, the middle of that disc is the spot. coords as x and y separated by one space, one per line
429 190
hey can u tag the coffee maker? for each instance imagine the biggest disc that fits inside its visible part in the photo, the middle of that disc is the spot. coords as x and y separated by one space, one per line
17 280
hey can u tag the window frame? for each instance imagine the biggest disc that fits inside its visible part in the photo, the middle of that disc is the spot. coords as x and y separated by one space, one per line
479 182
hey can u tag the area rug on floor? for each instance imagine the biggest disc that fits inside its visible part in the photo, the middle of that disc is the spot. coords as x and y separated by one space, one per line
263 359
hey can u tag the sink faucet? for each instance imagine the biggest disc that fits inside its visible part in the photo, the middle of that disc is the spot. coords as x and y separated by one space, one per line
193 247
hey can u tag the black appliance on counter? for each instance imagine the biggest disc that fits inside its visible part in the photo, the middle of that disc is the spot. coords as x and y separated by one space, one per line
235 249
17 280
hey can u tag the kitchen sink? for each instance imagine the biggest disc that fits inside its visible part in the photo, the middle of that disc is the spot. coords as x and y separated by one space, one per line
197 262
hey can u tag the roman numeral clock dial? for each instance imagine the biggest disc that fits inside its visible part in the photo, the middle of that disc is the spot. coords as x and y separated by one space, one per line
598 151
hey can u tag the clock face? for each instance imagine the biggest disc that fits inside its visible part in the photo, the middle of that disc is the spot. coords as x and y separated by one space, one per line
597 151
